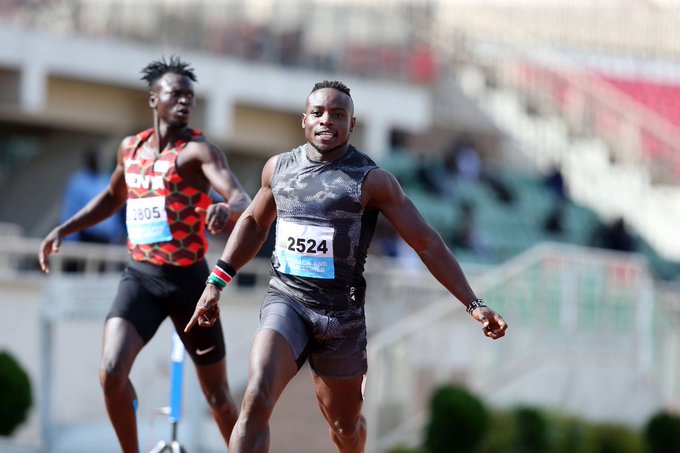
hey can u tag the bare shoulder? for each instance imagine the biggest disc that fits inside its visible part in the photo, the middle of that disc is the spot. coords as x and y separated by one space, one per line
378 175
200 140
268 170
380 185
124 144
127 142
271 162
201 148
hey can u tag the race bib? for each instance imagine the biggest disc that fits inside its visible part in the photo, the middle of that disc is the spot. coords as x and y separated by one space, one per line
147 221
305 250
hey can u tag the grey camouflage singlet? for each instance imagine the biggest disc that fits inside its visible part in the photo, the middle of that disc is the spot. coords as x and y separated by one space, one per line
322 231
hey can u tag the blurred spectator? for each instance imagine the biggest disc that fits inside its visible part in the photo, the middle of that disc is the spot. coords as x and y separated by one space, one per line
468 163
398 141
466 234
433 177
554 222
499 187
81 187
385 241
555 183
614 236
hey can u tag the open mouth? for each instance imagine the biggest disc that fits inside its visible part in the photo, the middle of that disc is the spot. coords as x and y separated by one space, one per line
325 134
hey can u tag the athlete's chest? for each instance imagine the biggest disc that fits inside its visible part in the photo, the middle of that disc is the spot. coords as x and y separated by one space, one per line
317 190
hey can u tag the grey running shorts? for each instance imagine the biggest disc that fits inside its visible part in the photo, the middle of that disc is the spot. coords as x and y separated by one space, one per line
333 341
147 294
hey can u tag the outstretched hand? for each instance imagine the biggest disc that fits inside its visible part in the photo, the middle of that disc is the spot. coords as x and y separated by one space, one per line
493 324
49 245
207 310
216 216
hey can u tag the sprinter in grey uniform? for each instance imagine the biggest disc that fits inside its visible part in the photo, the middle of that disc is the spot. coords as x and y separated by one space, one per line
325 197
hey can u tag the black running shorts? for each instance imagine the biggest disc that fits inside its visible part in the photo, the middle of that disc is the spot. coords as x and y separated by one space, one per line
147 294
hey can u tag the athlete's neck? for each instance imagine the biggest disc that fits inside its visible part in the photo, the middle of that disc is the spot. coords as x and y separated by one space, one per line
166 136
327 155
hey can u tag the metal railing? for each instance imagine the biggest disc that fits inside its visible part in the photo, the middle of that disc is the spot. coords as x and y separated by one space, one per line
570 311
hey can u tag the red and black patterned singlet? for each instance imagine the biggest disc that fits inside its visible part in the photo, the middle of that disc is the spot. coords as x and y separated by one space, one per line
163 227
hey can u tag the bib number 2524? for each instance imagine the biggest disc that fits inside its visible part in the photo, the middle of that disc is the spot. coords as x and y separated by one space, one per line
302 245
305 250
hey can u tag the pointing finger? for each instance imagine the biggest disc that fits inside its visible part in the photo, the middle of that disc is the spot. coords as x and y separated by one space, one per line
193 320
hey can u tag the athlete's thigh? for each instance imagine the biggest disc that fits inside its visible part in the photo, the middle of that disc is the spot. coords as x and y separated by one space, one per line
282 314
340 399
121 344
272 364
339 350
138 302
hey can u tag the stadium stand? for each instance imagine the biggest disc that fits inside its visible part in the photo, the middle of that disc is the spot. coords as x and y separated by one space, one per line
663 98
519 78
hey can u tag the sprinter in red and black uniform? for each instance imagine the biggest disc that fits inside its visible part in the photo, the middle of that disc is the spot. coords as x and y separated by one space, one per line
164 175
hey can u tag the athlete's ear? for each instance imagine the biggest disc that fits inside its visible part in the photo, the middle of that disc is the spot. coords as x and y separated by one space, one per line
351 124
153 99
304 119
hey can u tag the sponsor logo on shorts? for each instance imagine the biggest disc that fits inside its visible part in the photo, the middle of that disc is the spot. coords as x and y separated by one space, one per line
204 351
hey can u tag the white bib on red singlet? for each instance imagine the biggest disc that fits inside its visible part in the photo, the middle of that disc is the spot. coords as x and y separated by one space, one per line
147 221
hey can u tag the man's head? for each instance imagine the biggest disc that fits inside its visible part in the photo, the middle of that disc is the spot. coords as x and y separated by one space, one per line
335 84
329 119
171 90
158 68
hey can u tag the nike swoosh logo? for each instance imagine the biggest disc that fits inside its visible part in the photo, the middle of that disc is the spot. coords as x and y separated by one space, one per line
204 351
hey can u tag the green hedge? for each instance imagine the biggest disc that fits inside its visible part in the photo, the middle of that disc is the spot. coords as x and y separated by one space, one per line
459 422
662 433
15 394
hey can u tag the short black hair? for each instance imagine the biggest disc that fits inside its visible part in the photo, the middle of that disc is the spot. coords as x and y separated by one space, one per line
331 84
158 68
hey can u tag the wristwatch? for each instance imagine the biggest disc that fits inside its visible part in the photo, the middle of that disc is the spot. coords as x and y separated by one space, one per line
475 304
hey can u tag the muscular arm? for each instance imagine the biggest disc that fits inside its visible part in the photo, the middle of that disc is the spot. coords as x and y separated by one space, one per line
381 190
217 171
245 241
252 227
203 164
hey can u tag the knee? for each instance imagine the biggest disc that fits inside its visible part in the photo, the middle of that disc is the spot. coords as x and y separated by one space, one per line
220 400
349 428
112 377
258 402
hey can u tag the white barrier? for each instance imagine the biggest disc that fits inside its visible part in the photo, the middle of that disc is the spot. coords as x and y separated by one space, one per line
577 317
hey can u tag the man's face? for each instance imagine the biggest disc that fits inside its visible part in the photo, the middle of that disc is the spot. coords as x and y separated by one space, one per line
172 96
328 119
